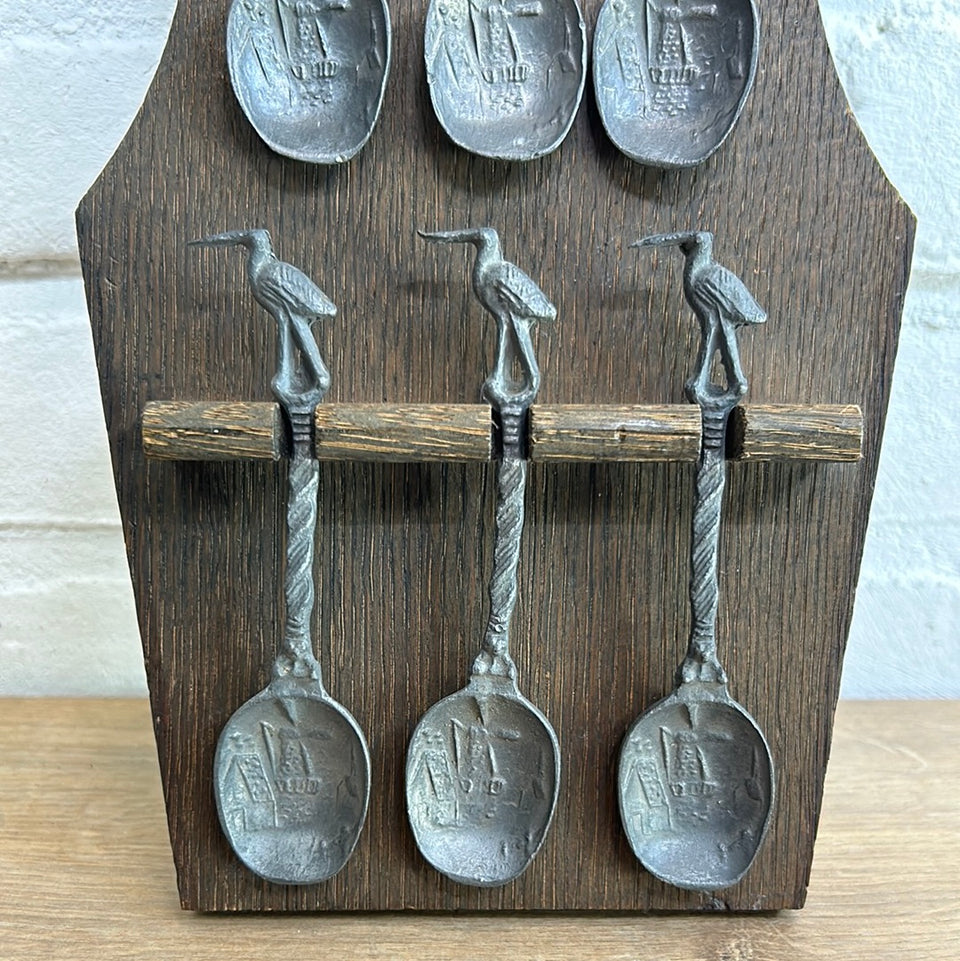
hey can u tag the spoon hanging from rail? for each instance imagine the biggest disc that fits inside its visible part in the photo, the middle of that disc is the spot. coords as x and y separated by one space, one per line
696 781
292 769
483 766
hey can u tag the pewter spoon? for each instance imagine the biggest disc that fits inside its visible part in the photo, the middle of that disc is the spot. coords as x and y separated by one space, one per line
483 766
310 77
292 769
671 77
506 78
696 781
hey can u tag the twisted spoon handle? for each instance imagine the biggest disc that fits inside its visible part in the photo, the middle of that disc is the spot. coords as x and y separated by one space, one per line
701 662
494 657
296 657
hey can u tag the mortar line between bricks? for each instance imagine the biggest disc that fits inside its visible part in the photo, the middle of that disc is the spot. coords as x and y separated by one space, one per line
40 268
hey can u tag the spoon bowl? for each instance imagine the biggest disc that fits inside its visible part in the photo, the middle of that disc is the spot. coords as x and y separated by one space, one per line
482 782
506 79
671 78
310 77
696 788
292 779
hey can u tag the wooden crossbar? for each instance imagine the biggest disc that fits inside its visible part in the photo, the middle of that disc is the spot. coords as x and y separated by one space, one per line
223 431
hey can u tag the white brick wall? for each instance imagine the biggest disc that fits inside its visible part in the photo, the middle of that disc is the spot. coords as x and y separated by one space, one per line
73 77
898 60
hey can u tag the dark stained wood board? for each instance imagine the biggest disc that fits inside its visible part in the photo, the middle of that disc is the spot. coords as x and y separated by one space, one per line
800 210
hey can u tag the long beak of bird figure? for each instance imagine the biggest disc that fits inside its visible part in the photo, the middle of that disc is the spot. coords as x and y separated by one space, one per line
231 238
470 235
667 240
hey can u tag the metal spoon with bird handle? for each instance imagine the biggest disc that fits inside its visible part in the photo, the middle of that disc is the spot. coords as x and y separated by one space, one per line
483 766
696 779
292 769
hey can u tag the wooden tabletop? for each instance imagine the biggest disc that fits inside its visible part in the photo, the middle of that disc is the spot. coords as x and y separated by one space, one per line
86 871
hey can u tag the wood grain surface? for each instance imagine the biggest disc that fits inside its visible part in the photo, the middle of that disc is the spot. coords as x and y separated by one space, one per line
231 430
800 211
398 433
88 874
595 432
830 432
402 433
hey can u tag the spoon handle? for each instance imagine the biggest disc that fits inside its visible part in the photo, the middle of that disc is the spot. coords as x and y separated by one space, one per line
494 658
701 662
296 657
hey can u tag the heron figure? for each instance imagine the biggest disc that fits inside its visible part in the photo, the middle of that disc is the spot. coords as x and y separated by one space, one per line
295 302
516 303
721 302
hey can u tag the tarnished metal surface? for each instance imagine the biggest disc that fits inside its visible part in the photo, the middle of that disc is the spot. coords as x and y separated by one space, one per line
291 778
310 74
483 767
671 76
482 777
506 76
696 780
292 769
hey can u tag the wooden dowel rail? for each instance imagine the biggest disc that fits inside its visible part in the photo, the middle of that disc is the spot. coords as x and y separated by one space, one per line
404 432
574 432
785 431
180 430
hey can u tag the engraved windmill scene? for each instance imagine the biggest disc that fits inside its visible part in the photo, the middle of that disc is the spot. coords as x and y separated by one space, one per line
310 74
291 787
699 792
505 76
679 68
483 785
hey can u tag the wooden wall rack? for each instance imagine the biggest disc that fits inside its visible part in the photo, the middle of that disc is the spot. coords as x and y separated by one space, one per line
799 209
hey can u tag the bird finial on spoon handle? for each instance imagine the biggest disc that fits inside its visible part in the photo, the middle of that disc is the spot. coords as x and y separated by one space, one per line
295 302
721 303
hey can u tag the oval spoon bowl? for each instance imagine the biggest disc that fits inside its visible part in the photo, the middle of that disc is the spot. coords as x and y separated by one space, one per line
696 788
292 778
506 79
482 783
671 78
310 83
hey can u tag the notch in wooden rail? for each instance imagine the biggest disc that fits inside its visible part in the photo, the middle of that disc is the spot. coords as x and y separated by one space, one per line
237 430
